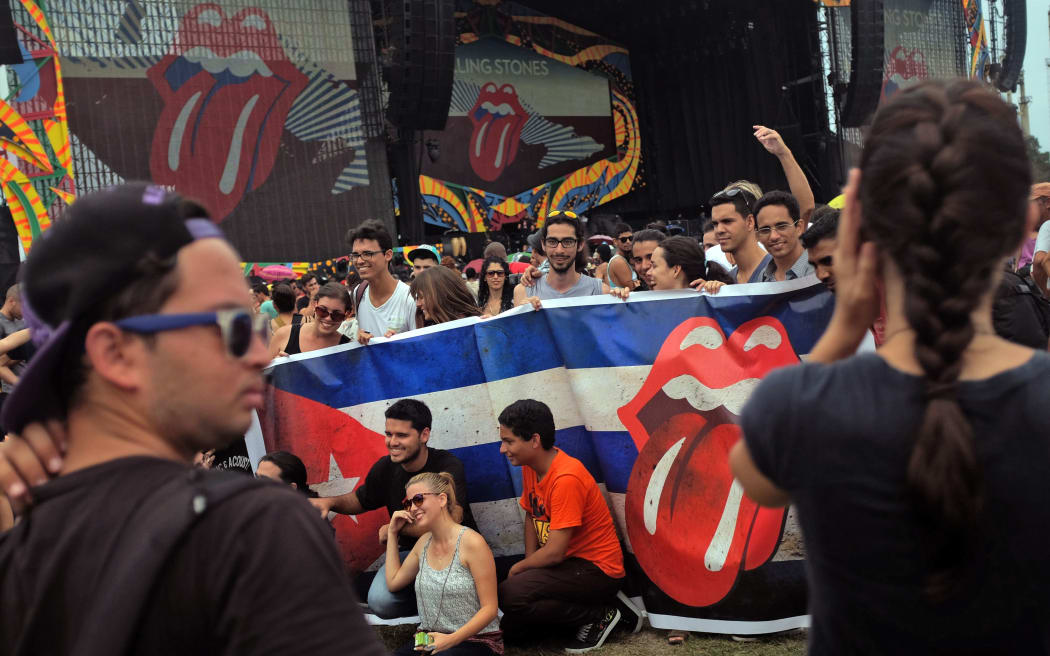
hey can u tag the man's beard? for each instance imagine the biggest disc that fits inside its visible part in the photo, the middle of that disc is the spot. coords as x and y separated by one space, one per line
569 267
409 455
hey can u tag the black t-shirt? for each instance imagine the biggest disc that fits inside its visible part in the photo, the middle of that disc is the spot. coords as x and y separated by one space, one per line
386 480
233 458
838 438
258 574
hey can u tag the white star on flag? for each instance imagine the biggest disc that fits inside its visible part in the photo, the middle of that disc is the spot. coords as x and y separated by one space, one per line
336 484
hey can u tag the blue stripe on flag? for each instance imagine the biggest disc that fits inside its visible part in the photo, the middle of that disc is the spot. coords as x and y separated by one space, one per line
507 347
489 476
590 343
444 360
607 455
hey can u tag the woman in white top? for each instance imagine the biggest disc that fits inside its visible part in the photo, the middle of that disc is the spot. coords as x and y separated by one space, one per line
453 571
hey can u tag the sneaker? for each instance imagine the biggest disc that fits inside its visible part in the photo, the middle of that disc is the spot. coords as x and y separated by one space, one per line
631 617
593 635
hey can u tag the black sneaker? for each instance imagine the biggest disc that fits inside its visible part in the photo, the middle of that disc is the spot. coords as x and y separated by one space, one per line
630 615
591 636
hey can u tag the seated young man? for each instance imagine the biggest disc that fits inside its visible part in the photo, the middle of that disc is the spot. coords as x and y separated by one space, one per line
408 423
573 563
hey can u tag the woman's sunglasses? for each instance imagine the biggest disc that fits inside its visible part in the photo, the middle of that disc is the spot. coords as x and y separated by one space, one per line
323 313
417 500
495 274
238 327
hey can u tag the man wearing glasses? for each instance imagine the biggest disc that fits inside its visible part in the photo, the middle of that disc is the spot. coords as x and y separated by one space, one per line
407 432
619 272
780 230
384 304
149 353
562 239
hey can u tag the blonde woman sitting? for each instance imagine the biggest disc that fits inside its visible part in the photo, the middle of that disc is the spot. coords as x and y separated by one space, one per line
453 572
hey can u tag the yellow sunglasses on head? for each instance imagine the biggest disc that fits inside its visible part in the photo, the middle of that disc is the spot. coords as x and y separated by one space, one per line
568 213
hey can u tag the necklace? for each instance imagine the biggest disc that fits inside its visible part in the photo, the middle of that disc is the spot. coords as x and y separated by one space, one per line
448 571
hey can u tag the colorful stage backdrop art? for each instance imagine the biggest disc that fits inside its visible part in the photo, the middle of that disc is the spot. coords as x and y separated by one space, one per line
542 117
645 393
253 107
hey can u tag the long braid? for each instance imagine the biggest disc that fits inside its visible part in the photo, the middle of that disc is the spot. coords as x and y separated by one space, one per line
927 201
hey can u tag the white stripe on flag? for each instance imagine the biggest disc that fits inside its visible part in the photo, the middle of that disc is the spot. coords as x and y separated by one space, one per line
466 416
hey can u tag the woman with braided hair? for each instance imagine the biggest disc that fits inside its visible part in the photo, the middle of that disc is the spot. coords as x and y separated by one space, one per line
920 471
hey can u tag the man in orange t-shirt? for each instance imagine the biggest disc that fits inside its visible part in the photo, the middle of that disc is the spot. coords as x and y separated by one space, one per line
573 564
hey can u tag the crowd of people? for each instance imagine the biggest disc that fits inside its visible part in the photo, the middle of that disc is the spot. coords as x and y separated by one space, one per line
921 524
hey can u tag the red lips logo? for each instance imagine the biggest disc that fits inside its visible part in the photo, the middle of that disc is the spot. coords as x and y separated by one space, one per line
904 68
320 436
498 118
227 89
691 526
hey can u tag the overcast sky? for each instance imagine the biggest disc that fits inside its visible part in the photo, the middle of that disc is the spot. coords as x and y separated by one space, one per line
1035 72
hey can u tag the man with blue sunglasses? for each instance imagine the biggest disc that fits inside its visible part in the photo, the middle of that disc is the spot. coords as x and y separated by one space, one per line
147 354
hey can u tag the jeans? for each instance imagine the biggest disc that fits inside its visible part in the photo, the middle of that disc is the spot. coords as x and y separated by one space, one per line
390 605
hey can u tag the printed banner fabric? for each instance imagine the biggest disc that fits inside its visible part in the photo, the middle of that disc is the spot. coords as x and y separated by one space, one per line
645 393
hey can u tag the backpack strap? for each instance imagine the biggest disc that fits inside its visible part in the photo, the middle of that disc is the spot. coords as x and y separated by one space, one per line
359 294
133 566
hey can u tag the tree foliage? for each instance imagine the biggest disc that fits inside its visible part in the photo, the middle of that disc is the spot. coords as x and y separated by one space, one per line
1040 161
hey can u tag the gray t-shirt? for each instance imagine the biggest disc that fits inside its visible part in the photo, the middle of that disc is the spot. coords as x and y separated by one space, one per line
7 327
585 286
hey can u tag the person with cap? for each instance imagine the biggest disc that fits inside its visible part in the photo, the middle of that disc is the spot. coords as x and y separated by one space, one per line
148 352
539 260
423 257
495 249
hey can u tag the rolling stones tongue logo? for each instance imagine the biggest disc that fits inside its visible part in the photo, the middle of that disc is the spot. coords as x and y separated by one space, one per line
227 89
690 524
904 68
498 118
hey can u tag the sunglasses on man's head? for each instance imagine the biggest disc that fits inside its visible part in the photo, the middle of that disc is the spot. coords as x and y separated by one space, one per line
729 195
568 213
323 313
416 500
237 327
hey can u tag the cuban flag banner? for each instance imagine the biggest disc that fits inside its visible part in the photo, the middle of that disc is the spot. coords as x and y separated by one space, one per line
645 393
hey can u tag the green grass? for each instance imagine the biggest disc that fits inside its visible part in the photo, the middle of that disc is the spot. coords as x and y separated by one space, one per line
649 642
